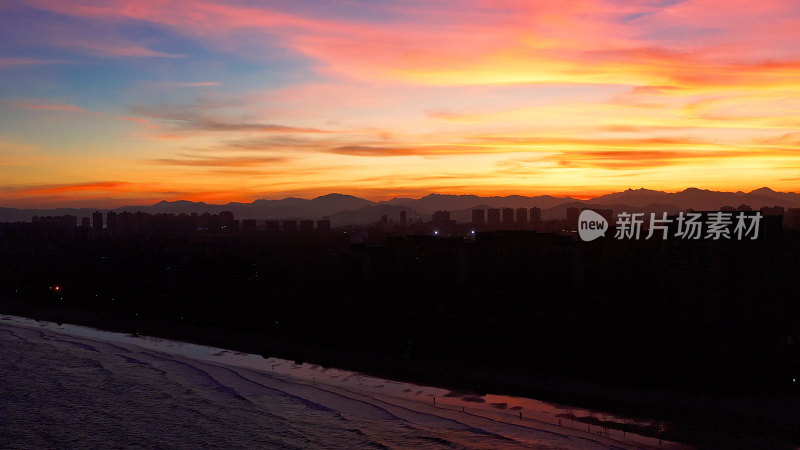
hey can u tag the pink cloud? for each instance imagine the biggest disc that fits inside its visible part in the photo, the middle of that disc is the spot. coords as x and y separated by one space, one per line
555 38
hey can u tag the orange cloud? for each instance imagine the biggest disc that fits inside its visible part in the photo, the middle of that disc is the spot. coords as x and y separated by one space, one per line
633 159
103 186
220 161
361 150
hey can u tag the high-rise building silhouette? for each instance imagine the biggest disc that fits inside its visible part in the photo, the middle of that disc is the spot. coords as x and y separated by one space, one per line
97 220
572 218
111 221
226 218
493 217
126 222
535 215
791 219
522 217
508 216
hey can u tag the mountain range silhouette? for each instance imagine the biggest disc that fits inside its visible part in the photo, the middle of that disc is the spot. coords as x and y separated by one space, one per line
349 210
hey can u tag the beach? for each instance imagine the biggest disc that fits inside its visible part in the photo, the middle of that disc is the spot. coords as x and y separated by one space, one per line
70 385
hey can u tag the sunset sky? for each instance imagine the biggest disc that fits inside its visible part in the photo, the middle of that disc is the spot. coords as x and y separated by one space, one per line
112 102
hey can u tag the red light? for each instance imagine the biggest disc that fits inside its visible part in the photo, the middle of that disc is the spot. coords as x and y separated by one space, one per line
58 288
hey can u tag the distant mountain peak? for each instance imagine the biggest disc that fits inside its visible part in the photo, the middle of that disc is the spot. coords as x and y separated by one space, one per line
335 195
763 190
178 202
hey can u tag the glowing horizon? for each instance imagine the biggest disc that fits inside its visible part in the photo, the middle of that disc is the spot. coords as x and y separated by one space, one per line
106 103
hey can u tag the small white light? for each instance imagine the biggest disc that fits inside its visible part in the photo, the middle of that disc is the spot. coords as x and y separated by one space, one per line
436 232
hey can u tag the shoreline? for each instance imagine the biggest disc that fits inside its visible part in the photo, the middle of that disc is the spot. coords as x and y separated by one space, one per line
706 421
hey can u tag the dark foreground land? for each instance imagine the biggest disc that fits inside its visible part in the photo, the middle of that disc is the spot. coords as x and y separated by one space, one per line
702 333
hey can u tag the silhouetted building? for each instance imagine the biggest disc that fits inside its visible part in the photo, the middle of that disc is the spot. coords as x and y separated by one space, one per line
85 223
289 225
535 215
141 222
111 221
441 216
522 217
403 218
66 221
227 221
493 217
307 225
791 219
97 220
126 222
772 210
572 218
478 217
56 227
273 226
442 223
744 207
325 224
249 225
508 216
